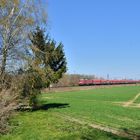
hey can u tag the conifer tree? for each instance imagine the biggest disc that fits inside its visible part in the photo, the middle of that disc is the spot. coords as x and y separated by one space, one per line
48 57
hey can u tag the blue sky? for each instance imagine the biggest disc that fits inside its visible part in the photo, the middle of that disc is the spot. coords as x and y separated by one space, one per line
100 36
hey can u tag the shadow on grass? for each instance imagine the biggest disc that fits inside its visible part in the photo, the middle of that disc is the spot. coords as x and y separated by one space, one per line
43 107
51 106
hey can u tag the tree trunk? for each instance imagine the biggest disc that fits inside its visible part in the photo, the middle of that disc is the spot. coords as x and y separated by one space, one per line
3 66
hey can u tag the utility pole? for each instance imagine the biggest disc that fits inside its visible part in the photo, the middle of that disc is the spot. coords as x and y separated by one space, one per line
107 76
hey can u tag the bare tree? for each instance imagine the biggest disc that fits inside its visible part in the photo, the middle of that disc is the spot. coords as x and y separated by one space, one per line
17 19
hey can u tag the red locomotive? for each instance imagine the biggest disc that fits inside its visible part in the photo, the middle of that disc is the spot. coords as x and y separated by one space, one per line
83 82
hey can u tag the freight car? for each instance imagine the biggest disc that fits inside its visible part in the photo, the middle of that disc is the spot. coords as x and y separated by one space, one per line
84 82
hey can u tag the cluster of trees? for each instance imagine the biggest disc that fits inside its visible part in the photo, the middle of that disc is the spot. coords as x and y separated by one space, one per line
72 79
29 59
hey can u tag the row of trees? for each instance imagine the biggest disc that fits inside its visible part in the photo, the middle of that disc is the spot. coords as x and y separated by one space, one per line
72 79
29 59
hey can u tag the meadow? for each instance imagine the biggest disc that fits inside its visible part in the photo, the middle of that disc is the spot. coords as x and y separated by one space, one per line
79 115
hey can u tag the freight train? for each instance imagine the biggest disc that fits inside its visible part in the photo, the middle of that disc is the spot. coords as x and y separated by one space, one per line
84 82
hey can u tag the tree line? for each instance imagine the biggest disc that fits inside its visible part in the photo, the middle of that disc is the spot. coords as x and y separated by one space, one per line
69 80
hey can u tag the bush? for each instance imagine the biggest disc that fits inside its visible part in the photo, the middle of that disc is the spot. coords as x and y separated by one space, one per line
9 99
8 103
30 88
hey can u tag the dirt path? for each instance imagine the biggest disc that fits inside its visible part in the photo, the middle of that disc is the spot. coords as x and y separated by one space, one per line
77 88
114 131
129 103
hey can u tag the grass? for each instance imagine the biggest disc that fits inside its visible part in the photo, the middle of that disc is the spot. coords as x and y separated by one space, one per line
93 106
100 106
46 125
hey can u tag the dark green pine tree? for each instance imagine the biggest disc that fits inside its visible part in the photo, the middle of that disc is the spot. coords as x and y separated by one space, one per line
48 58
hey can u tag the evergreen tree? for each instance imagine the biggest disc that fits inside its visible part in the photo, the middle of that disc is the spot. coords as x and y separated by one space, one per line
48 58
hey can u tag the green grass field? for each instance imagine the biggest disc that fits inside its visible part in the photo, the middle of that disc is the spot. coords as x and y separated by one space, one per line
98 106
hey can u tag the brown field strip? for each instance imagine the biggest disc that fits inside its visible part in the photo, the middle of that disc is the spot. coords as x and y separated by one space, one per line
77 88
131 102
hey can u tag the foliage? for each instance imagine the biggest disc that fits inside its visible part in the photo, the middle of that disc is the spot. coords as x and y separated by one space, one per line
26 64
48 58
47 64
17 19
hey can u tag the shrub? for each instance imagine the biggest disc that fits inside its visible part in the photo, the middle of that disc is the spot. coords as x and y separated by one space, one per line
8 103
